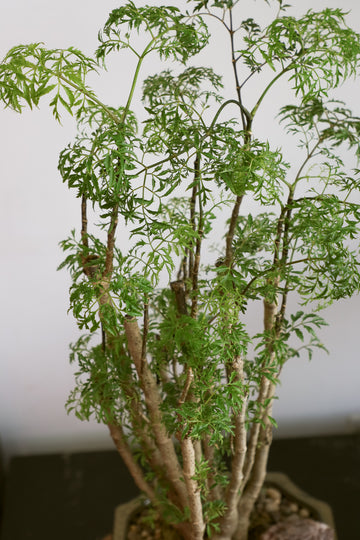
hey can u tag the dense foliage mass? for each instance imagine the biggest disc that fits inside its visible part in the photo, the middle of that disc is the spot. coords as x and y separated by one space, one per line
173 369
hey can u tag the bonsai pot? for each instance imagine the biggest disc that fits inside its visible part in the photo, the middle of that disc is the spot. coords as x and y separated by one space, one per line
316 509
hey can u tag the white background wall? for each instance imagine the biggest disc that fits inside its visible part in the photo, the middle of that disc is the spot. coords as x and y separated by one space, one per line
37 211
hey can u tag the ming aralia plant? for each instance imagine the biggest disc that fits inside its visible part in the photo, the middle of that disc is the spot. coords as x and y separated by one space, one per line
173 370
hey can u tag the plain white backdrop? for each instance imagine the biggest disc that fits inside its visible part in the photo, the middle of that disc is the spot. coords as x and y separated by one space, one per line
37 211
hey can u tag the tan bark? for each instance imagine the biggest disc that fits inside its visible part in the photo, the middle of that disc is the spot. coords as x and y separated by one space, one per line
195 506
231 231
254 433
148 384
209 455
258 474
229 520
142 426
126 454
260 437
178 287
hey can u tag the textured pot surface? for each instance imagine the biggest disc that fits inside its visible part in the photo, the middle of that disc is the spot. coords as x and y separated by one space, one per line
320 509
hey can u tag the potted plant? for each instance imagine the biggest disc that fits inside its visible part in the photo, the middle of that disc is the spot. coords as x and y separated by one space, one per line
167 360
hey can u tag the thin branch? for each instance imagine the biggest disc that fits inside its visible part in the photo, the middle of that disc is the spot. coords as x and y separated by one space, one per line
246 119
229 520
270 309
135 79
84 222
231 231
264 272
145 331
193 212
126 453
306 160
189 380
194 110
111 242
182 273
162 161
89 95
279 231
271 83
178 287
251 74
209 455
89 262
220 19
258 470
222 107
200 232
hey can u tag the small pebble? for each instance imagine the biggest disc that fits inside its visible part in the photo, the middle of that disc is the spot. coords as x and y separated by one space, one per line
273 494
289 508
272 500
304 512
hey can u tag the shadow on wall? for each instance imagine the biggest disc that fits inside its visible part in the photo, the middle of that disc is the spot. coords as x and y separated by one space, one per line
65 444
341 425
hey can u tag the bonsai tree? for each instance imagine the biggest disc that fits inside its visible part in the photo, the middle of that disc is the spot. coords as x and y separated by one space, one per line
167 360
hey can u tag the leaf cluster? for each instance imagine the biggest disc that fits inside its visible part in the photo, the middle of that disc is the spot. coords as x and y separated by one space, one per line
100 164
29 72
329 122
173 35
319 49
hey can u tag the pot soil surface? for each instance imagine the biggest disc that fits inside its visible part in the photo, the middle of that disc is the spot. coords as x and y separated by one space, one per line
276 516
